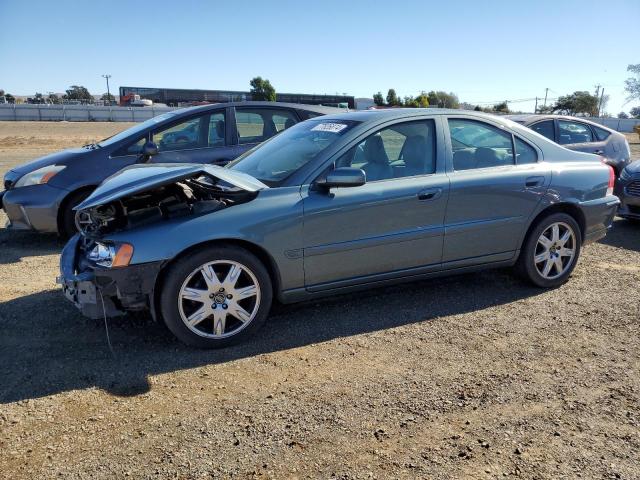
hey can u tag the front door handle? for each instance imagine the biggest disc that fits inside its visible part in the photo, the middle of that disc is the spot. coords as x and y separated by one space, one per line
534 182
429 194
598 152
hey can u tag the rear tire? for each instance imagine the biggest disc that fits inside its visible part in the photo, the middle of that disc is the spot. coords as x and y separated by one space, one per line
216 297
68 220
551 251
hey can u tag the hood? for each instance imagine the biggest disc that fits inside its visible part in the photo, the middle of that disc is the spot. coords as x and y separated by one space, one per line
634 167
58 158
137 178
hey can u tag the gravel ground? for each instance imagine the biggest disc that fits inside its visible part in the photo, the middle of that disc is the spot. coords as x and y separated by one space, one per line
475 376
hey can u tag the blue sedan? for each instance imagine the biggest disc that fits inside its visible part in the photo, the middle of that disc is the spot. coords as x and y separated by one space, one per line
333 204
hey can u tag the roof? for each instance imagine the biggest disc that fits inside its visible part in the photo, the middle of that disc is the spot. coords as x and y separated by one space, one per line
298 106
397 113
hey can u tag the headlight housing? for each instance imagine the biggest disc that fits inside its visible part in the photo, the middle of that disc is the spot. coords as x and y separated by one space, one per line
111 255
39 176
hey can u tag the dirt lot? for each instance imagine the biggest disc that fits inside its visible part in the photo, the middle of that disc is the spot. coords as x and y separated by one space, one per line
477 376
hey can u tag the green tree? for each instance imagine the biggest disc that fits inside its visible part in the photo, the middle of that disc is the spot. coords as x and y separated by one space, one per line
78 92
261 89
501 107
623 115
378 99
477 108
443 99
632 85
579 102
10 98
635 112
107 97
422 100
392 98
53 98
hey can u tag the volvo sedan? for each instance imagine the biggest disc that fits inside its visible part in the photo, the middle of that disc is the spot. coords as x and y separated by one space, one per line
42 194
331 205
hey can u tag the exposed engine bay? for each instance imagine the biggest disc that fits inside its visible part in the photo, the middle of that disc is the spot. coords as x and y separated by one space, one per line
197 195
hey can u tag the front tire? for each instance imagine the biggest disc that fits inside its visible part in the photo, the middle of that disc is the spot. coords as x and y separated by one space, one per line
216 297
550 251
68 220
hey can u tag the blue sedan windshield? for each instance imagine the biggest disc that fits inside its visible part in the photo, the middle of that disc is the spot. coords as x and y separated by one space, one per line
275 160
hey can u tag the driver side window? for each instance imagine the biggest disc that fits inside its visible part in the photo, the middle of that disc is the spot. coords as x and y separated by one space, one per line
402 150
183 136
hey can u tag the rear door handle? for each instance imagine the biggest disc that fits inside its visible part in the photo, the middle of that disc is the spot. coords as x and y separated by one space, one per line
534 182
429 194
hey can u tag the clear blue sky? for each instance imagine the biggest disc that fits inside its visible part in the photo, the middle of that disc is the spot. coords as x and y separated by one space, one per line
483 51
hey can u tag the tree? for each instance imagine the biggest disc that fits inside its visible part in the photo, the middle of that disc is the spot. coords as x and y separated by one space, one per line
410 102
78 92
107 97
635 112
378 99
632 85
443 99
10 98
261 89
392 98
1 93
477 108
53 98
422 100
623 115
501 107
579 102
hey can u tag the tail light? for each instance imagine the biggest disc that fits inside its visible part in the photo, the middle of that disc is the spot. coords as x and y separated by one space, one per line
612 177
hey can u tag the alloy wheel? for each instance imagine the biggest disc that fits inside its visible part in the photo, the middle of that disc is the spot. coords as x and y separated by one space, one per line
219 299
555 250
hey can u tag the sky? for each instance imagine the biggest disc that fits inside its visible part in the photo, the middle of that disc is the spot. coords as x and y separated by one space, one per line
485 51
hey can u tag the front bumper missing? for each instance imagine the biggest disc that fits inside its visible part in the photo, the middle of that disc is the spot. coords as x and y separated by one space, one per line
106 292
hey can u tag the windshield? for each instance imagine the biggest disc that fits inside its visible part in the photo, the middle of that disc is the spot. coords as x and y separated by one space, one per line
273 161
136 129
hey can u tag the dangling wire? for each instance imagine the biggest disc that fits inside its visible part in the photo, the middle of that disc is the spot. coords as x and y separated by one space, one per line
106 326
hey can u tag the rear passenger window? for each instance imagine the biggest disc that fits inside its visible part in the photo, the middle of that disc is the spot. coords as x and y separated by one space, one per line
525 153
544 128
256 125
479 145
601 133
573 132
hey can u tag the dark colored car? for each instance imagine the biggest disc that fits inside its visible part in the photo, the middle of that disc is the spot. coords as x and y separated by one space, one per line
628 190
41 194
581 135
333 204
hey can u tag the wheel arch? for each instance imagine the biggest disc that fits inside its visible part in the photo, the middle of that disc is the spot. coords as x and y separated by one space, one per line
262 255
570 209
65 201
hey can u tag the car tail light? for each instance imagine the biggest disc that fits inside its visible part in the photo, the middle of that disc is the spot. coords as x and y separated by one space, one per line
612 177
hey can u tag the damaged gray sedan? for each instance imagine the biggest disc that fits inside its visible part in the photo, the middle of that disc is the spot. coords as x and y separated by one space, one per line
331 205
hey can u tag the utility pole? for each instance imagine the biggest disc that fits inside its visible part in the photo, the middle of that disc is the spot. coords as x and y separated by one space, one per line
600 102
535 110
107 76
546 92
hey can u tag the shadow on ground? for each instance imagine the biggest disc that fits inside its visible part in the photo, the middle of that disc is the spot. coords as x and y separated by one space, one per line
624 234
46 347
15 245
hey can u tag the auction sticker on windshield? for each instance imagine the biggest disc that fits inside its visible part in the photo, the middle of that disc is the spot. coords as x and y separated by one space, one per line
329 127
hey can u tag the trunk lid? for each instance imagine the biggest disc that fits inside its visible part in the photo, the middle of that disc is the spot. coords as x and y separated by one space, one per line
137 178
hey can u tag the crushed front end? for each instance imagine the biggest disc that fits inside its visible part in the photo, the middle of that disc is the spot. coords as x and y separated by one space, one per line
99 291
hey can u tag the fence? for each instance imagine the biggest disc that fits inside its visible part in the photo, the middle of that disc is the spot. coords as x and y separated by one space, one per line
79 113
619 124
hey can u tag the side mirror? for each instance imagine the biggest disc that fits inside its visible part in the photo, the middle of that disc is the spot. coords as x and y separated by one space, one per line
149 150
344 177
